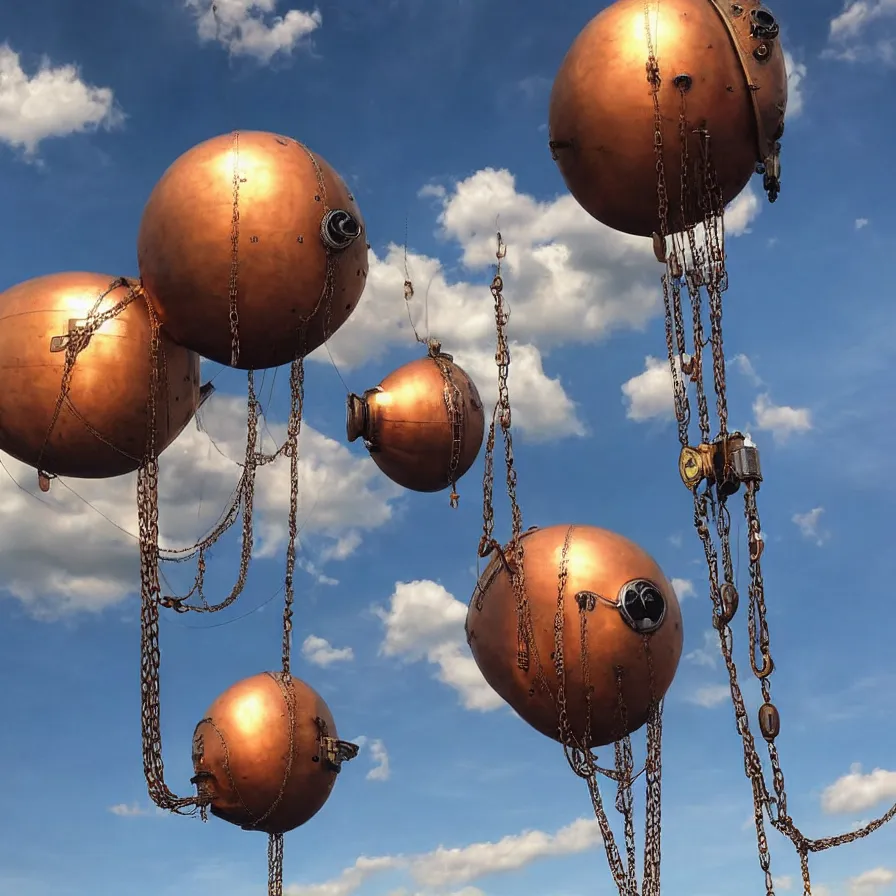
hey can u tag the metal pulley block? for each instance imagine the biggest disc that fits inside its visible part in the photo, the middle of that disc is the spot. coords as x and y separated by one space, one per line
726 463
695 465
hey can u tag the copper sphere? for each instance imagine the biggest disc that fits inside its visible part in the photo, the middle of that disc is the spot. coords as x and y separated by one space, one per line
102 429
257 772
423 424
261 217
722 61
632 622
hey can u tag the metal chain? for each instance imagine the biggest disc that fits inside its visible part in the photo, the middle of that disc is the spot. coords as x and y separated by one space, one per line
76 340
703 266
454 407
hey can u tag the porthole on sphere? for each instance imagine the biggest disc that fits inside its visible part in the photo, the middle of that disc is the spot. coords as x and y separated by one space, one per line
642 606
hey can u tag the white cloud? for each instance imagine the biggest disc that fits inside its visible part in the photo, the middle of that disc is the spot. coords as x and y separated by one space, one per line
710 696
861 223
59 555
809 525
568 279
648 395
783 883
863 32
253 27
684 588
870 883
349 880
380 759
127 810
856 792
425 622
741 212
708 654
320 652
51 102
743 365
452 867
796 75
781 421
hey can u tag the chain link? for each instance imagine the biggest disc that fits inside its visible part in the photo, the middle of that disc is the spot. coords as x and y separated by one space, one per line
699 264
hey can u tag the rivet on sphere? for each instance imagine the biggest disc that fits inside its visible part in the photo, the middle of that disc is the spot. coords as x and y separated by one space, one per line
602 116
407 428
628 605
226 217
241 754
110 384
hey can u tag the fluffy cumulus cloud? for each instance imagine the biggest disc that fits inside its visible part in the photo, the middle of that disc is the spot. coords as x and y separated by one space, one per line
684 588
380 769
710 696
781 420
864 31
443 870
809 524
253 27
796 76
856 792
49 101
74 548
320 652
871 882
568 280
424 622
648 396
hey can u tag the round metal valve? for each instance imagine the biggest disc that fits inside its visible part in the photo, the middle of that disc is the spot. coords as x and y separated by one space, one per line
339 229
642 606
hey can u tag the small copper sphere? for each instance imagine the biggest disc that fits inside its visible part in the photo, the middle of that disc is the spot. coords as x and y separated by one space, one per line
101 431
261 218
267 754
721 65
632 623
423 424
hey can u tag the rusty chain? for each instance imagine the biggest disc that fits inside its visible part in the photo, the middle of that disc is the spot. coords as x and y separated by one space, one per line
579 753
240 505
700 264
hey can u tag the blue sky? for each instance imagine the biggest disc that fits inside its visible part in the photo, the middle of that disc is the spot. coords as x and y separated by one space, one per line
434 112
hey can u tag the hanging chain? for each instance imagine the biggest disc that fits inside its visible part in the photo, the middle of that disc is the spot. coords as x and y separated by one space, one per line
579 754
700 264
454 407
76 341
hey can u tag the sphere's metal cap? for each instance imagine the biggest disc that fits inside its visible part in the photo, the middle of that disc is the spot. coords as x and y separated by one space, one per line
355 417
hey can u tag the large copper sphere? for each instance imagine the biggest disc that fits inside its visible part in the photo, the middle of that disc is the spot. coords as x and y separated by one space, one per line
102 429
261 218
720 61
267 753
423 424
632 623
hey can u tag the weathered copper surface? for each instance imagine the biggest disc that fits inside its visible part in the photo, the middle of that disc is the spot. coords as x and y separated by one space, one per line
109 388
602 105
600 562
407 427
205 231
244 744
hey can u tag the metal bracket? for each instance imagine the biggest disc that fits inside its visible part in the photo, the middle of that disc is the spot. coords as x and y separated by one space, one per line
338 751
60 343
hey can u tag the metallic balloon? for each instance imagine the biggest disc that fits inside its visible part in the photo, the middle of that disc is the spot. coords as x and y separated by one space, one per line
721 67
258 221
267 753
423 424
632 623
102 429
